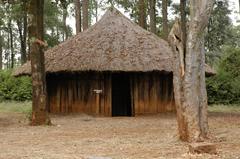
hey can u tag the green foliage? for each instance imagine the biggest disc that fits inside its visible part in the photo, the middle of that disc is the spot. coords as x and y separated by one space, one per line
218 31
12 88
225 86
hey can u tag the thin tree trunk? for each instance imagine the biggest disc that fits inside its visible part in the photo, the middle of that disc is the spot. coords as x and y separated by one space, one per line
22 37
36 30
183 24
96 9
142 14
165 18
78 15
29 48
7 53
11 43
85 13
65 22
239 6
152 16
24 42
1 49
189 81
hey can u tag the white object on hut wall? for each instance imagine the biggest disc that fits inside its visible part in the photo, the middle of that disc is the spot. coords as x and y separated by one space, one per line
97 92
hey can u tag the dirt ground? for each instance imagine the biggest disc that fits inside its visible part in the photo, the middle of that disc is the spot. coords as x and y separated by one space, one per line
85 137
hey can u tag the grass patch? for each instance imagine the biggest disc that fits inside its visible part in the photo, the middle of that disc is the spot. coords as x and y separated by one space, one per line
16 107
26 107
224 108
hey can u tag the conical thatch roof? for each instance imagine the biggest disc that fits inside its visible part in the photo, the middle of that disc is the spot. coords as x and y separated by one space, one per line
112 44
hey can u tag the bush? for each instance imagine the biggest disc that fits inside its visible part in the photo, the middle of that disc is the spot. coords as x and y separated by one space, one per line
11 88
224 88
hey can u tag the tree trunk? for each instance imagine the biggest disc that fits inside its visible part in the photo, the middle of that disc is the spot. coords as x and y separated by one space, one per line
142 14
1 49
29 48
64 5
152 16
183 24
189 73
85 14
22 37
65 23
7 52
39 103
165 18
24 42
239 5
78 15
11 43
96 10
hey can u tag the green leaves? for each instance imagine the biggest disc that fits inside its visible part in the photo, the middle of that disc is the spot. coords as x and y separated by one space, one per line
11 88
224 88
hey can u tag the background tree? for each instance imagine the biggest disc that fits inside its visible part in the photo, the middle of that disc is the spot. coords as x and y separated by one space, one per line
218 31
152 6
36 31
183 24
1 49
78 15
165 18
85 14
53 26
142 14
64 5
21 20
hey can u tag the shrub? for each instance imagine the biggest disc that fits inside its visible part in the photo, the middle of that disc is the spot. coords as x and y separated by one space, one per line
224 88
12 88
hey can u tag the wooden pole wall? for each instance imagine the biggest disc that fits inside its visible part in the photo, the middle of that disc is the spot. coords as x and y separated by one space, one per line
150 92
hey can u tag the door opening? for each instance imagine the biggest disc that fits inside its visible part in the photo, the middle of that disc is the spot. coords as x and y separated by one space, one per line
121 95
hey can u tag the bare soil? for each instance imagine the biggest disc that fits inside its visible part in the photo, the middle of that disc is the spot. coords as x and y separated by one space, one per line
85 137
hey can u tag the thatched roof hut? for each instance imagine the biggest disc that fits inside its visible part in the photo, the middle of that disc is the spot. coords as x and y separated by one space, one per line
113 44
113 68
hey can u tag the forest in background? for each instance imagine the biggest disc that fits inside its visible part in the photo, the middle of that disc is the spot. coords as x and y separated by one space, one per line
222 40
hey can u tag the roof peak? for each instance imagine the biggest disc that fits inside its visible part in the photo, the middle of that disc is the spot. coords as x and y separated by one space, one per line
113 11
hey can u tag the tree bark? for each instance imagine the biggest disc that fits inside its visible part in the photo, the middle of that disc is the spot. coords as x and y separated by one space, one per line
78 15
22 25
85 13
7 53
142 14
183 24
239 5
1 49
11 42
39 103
24 42
64 4
165 18
96 10
152 4
65 23
189 80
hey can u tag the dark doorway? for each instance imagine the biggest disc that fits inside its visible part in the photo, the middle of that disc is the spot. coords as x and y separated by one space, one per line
121 96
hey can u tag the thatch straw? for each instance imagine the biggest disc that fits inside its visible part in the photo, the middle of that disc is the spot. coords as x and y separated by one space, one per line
112 44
